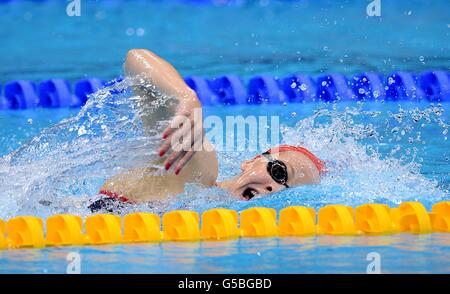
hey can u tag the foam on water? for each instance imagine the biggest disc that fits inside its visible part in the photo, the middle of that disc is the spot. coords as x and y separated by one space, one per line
62 167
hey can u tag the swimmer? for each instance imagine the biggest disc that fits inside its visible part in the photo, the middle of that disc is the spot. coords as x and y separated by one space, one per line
274 170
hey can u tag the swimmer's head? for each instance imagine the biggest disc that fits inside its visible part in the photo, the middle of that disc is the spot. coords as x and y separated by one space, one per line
274 170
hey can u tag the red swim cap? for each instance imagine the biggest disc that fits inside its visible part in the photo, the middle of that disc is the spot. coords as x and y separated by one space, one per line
317 162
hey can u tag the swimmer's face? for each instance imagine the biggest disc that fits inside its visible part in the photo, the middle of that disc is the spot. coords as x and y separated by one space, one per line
255 178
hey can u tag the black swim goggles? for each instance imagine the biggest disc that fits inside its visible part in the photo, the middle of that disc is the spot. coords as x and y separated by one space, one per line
277 169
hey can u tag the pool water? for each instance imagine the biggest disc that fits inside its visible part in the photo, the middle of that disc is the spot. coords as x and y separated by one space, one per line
389 178
326 254
385 152
39 41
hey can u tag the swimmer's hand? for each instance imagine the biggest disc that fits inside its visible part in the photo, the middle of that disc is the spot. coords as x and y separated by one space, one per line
184 135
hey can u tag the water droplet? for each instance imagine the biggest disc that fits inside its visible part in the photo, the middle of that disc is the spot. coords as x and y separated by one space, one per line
130 32
293 85
82 131
421 58
140 32
293 114
361 91
30 121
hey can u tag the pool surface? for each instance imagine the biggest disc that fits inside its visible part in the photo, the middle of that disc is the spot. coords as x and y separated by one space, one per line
39 41
325 254
53 160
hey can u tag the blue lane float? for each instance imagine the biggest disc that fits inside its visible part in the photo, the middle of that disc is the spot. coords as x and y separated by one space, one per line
265 89
333 87
432 86
56 93
299 88
21 94
202 88
368 86
436 85
403 86
229 89
84 88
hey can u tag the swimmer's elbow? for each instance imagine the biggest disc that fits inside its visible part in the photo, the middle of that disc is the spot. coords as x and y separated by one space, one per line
140 61
133 53
133 61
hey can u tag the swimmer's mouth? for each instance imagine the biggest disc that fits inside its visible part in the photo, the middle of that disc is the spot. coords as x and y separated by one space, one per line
249 193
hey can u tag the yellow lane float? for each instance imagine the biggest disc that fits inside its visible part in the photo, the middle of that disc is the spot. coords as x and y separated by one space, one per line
374 219
64 230
440 217
297 221
259 222
3 243
25 231
336 220
141 227
181 225
221 224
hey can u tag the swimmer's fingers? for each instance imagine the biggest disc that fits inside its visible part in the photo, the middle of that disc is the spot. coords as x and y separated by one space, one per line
175 124
184 127
166 133
179 125
185 148
172 158
180 146
189 110
181 140
183 161
164 147
190 147
188 137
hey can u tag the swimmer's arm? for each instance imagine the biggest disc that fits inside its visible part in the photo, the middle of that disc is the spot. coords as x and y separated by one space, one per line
160 73
165 77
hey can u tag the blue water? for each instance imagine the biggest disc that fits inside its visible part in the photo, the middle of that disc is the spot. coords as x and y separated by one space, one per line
398 254
40 41
385 152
